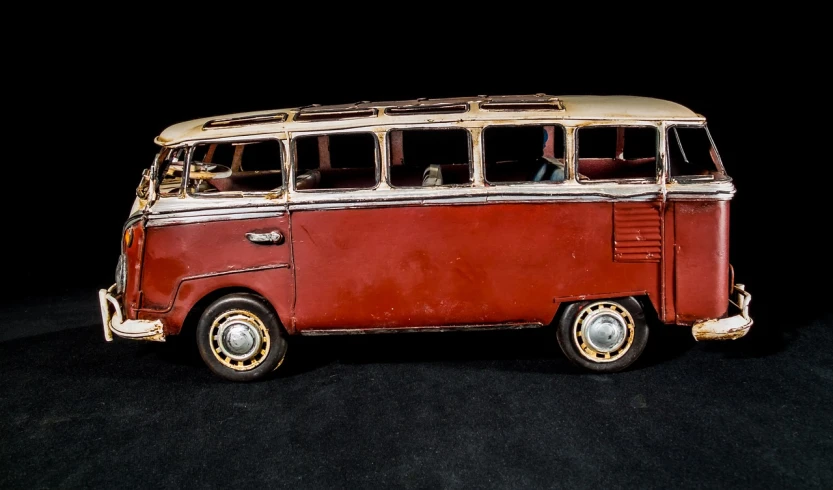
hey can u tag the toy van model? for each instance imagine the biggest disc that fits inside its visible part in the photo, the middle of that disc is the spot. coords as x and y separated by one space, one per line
590 214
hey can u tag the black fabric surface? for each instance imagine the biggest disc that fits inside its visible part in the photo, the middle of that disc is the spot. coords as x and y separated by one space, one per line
462 410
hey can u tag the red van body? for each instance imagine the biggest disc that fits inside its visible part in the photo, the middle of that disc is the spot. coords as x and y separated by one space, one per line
369 254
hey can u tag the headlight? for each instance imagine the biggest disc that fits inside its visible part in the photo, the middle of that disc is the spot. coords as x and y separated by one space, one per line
121 274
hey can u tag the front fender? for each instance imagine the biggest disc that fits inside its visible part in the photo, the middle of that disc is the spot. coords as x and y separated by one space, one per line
273 282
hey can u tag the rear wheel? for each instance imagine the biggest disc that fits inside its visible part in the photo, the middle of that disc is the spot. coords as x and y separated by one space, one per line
239 338
605 335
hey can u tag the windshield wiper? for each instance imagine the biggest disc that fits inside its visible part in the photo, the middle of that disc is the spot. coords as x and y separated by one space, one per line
680 144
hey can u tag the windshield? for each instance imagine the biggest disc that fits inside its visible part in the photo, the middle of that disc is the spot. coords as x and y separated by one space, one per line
692 154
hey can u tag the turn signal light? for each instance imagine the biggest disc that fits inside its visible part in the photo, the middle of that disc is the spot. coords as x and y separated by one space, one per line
128 238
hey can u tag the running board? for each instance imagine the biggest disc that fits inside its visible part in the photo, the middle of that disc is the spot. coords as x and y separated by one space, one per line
451 328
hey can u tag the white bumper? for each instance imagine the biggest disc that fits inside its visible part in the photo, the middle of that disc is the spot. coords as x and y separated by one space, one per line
733 327
114 323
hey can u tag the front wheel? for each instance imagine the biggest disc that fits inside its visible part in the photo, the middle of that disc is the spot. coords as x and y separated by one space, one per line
605 335
240 339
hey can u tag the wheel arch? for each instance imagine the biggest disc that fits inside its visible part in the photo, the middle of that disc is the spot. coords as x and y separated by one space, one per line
189 325
644 300
274 285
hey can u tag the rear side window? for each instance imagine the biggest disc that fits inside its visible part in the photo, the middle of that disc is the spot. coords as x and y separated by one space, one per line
617 153
531 153
336 161
430 158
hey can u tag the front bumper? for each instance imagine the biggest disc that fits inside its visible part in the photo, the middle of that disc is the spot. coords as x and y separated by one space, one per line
114 323
732 327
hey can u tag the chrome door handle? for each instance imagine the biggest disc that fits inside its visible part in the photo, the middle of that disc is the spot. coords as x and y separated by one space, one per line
273 237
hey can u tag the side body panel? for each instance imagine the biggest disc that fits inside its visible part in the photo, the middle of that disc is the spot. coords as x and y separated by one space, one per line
700 231
185 262
491 263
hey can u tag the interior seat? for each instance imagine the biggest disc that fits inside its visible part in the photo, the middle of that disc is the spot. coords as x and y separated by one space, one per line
432 176
308 180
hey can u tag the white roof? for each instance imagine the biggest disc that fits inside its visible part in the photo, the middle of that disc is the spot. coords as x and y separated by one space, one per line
366 114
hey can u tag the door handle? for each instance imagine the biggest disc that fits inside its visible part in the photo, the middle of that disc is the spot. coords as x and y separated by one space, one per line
272 237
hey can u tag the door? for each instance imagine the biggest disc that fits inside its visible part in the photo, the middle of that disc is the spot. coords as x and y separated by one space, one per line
230 231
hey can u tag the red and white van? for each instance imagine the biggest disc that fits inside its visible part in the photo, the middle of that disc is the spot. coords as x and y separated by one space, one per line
593 214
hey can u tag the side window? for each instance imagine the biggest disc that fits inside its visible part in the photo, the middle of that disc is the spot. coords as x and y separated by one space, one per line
533 153
617 153
430 157
336 161
691 153
240 166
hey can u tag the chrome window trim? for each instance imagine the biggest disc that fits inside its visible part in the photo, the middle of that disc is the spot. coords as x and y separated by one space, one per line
482 153
667 126
190 208
659 164
291 144
191 147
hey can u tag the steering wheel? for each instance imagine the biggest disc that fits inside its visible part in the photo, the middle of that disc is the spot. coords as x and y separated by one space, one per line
200 171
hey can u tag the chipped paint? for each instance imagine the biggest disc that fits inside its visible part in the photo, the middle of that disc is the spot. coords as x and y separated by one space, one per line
130 329
587 107
649 237
730 328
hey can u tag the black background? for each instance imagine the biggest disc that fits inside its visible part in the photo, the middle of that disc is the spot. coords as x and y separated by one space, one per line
84 115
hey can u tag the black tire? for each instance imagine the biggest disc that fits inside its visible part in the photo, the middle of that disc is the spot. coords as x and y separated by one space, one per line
255 344
613 356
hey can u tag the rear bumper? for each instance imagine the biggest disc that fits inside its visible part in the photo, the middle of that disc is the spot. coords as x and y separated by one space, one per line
112 317
732 327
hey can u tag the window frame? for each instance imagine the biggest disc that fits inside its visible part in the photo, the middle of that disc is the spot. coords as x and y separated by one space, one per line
293 168
692 179
160 158
445 127
516 124
659 163
191 146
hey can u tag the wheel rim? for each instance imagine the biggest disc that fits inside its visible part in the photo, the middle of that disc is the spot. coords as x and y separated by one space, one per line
239 340
603 331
